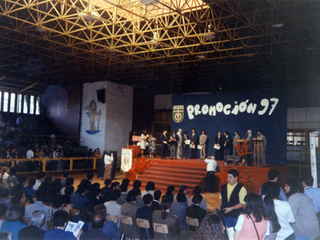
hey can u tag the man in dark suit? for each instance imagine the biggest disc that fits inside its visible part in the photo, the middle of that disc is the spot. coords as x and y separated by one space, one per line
106 190
185 146
219 142
164 144
34 231
146 212
195 211
193 143
155 203
79 199
95 233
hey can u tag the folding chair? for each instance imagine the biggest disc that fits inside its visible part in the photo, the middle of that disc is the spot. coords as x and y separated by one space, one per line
126 220
143 223
161 228
193 222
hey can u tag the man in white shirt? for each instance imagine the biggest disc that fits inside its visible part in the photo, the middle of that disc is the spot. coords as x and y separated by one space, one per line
108 160
40 178
30 153
113 208
211 170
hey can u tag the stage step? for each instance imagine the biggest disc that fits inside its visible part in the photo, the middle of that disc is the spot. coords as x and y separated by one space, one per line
164 174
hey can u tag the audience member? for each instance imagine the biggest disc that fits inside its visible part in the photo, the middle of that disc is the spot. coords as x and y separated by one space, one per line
273 176
19 198
179 209
22 179
197 190
283 211
4 194
34 231
3 210
29 189
12 223
124 189
12 180
129 209
252 223
39 205
313 193
271 215
183 189
63 181
156 198
146 213
60 219
195 211
86 217
170 192
69 182
106 191
150 187
79 199
95 233
165 217
211 228
95 198
40 177
306 225
115 185
113 208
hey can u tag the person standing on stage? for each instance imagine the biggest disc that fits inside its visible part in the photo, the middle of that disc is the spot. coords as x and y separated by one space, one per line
249 141
144 138
108 160
235 143
202 142
211 170
262 152
179 142
227 143
219 143
232 199
152 146
164 144
194 141
185 145
173 144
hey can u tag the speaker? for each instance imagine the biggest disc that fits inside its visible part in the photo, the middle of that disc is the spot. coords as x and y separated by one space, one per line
101 95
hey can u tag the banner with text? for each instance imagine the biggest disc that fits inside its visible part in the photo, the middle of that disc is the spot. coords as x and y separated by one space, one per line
266 111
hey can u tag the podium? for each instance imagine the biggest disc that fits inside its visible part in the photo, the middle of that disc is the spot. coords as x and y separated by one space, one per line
259 152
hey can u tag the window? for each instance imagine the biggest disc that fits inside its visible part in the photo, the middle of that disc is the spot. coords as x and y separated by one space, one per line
31 105
25 104
38 106
5 101
19 103
12 102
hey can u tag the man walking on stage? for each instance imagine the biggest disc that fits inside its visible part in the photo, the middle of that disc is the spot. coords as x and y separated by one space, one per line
164 144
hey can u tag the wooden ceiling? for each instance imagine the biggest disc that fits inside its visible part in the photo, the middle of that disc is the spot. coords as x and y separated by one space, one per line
166 46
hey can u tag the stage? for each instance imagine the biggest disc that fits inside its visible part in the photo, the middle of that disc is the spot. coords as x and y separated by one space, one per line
192 172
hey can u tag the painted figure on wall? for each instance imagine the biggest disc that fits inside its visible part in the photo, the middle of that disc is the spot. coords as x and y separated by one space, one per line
92 112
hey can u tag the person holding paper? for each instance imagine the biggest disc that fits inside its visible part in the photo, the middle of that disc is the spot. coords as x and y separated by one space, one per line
108 160
219 154
164 144
202 143
194 141
185 145
173 144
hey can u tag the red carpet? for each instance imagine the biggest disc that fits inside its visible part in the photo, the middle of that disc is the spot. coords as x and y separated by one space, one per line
192 172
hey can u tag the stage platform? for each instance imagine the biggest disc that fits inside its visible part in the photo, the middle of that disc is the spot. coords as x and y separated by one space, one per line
192 172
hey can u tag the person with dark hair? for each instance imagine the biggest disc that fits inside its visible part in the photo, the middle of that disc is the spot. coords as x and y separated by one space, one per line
90 177
29 189
125 181
185 145
194 139
232 199
124 189
34 231
12 180
313 193
273 176
195 211
150 187
144 138
170 192
165 217
211 228
307 224
108 163
227 144
164 144
136 184
152 146
283 212
4 194
60 219
3 210
211 171
156 198
40 177
179 209
39 205
252 223
112 206
115 185
79 199
249 138
270 214
235 144
19 198
130 209
12 223
219 146
173 144
183 189
69 182
95 233
95 198
197 191
22 179
106 190
146 212
262 149
86 217
64 180
203 142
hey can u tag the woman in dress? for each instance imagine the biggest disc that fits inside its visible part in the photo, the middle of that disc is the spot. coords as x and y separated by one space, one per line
152 146
144 137
306 225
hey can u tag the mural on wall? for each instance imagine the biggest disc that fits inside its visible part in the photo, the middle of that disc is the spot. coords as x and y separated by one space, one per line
92 112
